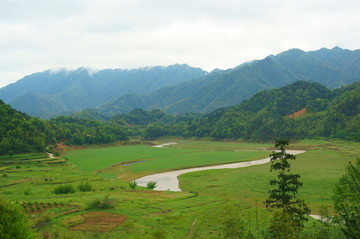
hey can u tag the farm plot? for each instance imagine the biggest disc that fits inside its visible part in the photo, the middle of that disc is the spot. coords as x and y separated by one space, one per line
100 222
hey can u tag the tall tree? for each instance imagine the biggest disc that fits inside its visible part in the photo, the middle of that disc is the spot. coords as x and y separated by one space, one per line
283 197
347 200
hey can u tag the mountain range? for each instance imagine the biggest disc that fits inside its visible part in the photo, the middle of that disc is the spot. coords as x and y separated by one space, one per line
178 88
50 93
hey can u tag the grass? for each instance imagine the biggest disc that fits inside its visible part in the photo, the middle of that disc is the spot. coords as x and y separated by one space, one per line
149 160
320 168
25 156
152 214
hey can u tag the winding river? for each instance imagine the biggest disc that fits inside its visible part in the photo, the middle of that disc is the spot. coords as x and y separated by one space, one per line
169 180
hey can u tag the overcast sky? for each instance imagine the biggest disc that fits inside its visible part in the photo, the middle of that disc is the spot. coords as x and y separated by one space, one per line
36 35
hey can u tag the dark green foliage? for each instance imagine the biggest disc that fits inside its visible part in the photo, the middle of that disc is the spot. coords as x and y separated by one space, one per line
282 226
265 116
151 185
283 196
153 132
81 131
84 187
132 184
347 200
64 189
14 223
22 133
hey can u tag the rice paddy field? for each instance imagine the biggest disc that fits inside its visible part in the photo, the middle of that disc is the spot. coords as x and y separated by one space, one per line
199 211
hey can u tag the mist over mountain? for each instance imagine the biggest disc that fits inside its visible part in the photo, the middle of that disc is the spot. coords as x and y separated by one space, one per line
50 93
178 88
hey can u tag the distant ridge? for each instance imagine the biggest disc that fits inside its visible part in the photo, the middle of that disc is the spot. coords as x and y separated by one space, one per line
52 93
178 88
330 67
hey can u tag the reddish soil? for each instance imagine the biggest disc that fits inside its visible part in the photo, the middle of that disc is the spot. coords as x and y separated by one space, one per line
100 222
299 113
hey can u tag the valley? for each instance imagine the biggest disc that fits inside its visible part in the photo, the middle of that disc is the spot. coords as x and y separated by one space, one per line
178 152
147 213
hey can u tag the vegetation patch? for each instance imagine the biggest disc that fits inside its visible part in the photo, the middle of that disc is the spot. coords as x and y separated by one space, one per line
100 222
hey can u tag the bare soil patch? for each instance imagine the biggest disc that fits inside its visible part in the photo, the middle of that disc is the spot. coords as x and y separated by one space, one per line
100 222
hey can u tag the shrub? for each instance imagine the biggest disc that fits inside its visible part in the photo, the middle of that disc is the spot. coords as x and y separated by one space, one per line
27 191
14 223
101 204
132 184
84 187
151 185
64 189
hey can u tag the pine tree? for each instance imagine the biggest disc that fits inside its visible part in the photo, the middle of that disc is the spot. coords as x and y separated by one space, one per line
283 196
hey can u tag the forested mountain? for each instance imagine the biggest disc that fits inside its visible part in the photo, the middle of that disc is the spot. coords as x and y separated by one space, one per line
269 114
49 93
330 67
301 109
20 132
175 89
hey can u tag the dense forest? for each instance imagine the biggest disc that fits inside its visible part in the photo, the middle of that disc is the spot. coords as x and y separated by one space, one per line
269 115
300 110
22 133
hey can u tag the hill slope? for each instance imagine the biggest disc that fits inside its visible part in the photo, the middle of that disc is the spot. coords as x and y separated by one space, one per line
48 93
330 67
269 114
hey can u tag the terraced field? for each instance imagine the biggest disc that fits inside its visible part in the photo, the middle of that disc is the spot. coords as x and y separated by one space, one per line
200 211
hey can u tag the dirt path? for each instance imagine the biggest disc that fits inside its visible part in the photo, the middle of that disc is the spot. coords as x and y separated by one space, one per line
191 232
50 155
164 144
169 180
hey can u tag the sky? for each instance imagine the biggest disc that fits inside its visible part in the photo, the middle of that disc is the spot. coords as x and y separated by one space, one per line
36 35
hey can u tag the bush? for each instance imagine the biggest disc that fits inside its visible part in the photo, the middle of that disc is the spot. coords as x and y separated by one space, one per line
101 204
14 223
132 184
151 185
84 187
64 189
27 191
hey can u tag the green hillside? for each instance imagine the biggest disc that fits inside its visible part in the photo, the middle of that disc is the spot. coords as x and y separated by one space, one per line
330 67
50 93
267 116
22 133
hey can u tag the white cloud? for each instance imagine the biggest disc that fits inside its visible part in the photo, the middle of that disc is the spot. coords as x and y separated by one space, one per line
40 34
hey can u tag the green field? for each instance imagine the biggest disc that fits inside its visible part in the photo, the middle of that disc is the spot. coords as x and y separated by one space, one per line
142 160
198 212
